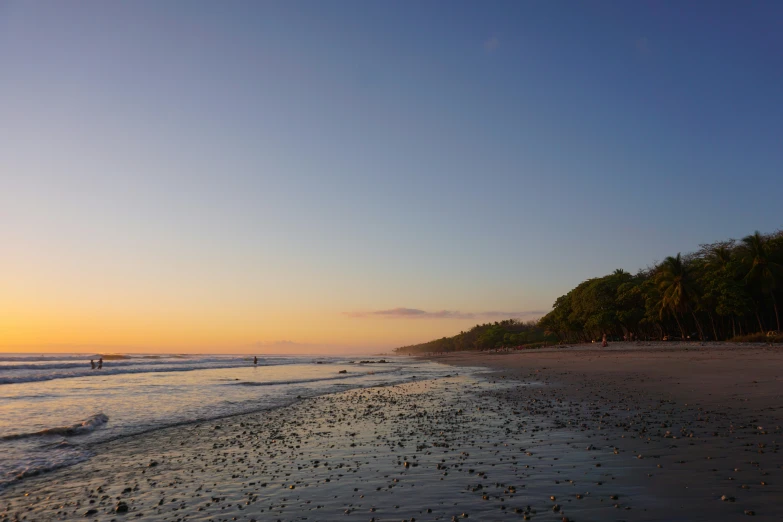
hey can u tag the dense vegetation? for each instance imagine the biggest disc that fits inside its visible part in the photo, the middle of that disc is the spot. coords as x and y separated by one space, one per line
508 333
726 290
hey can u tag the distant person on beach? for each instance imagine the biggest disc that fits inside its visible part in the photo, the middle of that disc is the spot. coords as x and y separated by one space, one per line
255 361
92 363
100 363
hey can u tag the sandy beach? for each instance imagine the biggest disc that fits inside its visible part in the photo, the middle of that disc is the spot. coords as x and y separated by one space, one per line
631 433
703 421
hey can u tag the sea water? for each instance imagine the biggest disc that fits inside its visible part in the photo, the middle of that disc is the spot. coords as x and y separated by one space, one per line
55 410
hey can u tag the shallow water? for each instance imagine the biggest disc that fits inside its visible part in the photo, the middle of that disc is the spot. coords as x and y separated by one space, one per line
54 408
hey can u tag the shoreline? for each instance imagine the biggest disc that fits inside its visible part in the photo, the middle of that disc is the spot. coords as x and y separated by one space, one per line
55 428
590 431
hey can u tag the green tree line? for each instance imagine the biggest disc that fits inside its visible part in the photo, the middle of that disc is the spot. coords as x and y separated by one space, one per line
724 290
500 334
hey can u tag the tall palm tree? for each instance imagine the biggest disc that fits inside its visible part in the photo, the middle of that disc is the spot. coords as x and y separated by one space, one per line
677 288
763 272
717 266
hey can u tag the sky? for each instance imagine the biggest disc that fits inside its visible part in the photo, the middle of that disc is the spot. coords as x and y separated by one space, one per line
329 176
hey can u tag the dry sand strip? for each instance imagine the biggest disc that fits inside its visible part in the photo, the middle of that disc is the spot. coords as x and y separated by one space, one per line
713 411
533 442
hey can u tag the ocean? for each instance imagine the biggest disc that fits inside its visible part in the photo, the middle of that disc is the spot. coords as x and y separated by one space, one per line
55 410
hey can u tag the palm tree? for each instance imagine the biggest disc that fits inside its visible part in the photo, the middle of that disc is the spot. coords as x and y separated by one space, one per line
763 271
678 294
719 256
716 267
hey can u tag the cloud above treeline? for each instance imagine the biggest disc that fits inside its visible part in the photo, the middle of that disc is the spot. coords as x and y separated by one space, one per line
415 313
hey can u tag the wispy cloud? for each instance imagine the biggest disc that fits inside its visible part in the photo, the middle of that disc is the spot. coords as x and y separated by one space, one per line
282 342
491 44
415 313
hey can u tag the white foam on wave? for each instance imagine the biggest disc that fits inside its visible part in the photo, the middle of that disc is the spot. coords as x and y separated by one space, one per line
65 374
30 450
65 369
80 428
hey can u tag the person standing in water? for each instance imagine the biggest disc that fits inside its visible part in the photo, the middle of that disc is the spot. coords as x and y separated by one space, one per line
255 361
100 363
92 363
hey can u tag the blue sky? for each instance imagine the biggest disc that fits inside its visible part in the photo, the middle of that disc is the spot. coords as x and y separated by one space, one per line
333 159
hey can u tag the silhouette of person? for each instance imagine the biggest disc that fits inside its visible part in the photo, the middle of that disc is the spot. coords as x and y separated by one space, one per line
255 361
100 363
92 364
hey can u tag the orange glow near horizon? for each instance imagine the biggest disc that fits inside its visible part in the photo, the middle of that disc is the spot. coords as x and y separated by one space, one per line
210 331
86 302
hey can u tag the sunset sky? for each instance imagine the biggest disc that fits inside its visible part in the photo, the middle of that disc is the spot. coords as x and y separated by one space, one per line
321 176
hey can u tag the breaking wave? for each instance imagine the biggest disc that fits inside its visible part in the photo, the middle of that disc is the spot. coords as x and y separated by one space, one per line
80 428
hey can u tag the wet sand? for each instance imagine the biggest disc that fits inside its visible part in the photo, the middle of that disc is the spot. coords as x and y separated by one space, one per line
552 435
